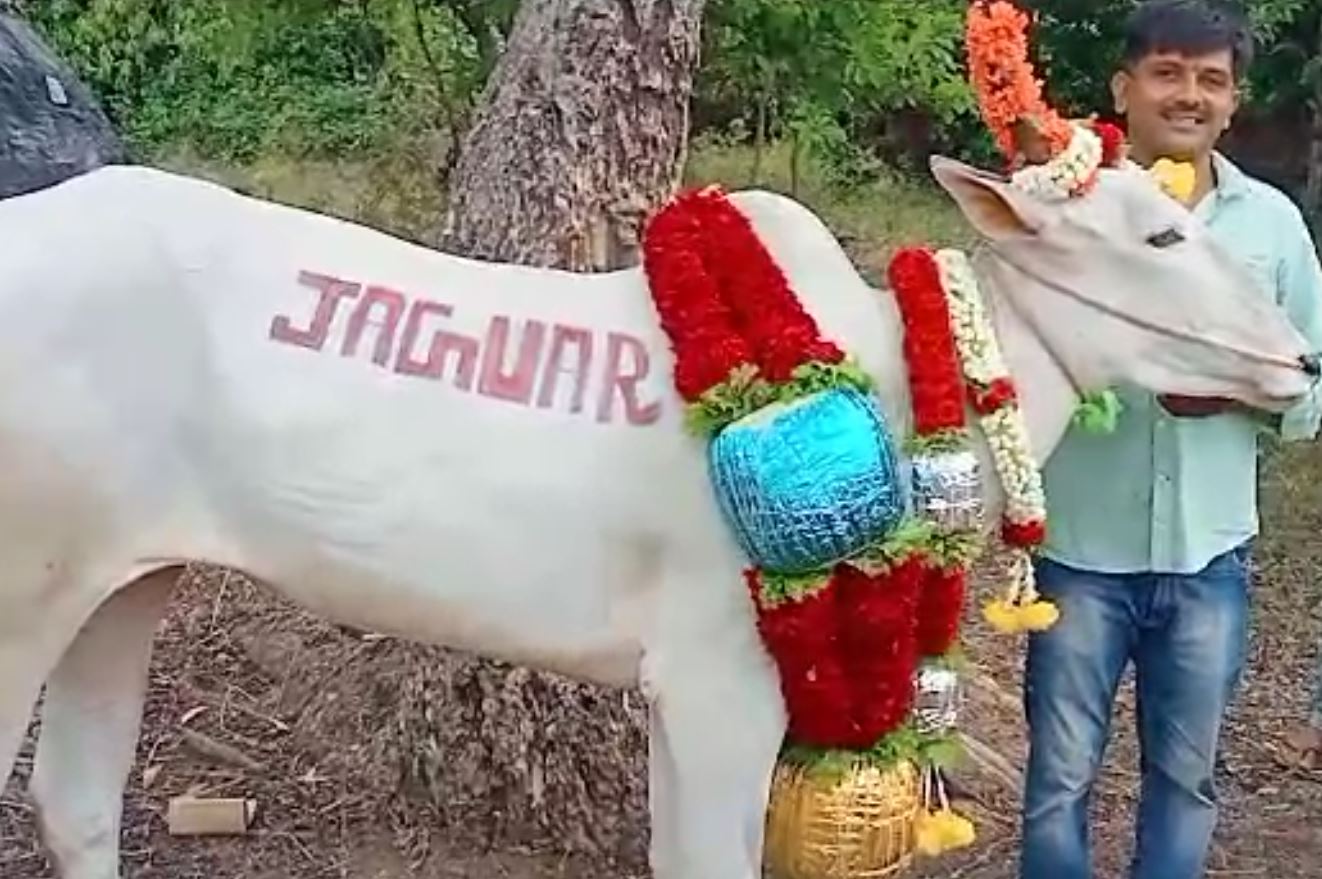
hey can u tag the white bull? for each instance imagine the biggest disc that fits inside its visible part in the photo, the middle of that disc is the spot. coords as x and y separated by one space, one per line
476 455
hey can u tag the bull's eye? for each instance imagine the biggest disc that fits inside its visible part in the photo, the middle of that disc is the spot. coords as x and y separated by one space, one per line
1166 238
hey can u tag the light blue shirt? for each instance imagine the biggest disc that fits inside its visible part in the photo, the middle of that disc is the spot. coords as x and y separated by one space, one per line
1165 494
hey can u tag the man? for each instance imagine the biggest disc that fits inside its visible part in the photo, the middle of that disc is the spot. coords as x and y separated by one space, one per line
1147 555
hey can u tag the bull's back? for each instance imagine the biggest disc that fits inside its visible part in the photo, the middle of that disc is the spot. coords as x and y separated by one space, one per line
260 339
344 413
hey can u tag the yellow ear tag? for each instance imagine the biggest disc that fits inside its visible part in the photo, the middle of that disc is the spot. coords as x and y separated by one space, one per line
1176 179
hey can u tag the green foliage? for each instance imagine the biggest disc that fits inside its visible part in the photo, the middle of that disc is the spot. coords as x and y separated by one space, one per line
1289 72
236 78
848 85
819 72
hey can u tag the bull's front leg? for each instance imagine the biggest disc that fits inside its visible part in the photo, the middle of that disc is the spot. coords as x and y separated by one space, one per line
717 725
90 724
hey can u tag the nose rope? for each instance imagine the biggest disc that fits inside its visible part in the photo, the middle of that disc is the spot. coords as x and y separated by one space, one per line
1300 364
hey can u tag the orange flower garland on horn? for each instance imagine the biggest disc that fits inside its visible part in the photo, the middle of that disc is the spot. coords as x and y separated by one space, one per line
1049 155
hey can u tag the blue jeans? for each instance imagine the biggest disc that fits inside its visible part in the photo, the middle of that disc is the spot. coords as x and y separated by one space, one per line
1187 636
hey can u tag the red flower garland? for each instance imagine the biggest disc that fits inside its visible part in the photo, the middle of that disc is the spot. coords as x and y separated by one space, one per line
1113 142
1024 535
987 399
929 347
846 653
722 300
940 607
694 315
773 321
878 632
802 637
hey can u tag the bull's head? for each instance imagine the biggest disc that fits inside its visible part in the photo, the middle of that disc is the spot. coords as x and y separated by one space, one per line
1117 278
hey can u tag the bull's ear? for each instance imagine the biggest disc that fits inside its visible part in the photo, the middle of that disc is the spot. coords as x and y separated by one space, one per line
994 207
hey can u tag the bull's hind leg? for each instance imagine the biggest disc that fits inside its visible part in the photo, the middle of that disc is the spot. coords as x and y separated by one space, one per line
717 726
89 729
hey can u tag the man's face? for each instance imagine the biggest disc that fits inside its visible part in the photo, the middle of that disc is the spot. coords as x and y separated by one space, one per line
1177 105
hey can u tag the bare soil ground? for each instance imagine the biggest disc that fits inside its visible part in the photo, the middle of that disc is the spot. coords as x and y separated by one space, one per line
293 702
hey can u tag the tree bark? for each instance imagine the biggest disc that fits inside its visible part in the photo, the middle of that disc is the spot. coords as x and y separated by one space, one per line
583 129
1313 189
581 132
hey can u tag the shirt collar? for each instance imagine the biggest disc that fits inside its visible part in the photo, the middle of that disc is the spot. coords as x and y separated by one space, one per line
1231 182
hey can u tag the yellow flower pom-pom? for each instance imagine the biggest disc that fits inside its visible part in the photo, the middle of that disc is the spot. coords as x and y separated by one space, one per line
928 835
941 831
1177 179
956 831
1038 616
1002 616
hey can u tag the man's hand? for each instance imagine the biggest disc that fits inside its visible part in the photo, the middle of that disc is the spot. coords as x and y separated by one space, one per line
1194 407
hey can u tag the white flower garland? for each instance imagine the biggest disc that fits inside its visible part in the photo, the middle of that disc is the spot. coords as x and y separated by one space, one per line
1067 175
1007 437
982 363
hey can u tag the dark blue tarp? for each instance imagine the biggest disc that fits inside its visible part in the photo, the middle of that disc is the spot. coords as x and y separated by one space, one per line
51 127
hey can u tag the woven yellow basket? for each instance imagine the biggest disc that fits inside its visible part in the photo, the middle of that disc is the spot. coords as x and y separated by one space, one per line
858 824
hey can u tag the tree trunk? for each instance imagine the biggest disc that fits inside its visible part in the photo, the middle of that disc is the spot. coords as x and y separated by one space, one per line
760 138
1313 191
583 130
796 150
581 133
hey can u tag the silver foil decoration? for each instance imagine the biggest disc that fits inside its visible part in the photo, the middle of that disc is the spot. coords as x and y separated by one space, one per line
947 489
939 695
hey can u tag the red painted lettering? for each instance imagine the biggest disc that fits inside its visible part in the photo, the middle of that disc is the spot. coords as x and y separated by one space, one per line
507 371
393 303
515 385
617 344
443 343
561 338
332 291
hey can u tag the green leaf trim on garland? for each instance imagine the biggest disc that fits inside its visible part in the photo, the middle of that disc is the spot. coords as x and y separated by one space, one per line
913 537
954 659
904 744
817 376
954 549
745 391
742 393
780 588
943 441
1098 412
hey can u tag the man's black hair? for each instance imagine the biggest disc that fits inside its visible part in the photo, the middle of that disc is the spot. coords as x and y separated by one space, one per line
1189 27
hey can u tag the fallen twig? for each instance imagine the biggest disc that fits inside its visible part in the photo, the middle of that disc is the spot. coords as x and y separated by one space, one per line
208 747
